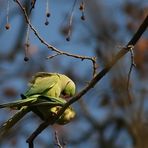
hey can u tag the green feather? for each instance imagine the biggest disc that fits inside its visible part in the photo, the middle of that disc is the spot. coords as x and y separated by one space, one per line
50 84
41 84
19 103
43 98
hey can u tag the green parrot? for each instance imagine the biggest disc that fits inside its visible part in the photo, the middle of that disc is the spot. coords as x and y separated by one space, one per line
46 108
43 98
51 84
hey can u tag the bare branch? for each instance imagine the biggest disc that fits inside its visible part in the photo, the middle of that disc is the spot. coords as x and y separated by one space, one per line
52 56
97 78
109 65
57 140
42 126
129 73
52 47
33 2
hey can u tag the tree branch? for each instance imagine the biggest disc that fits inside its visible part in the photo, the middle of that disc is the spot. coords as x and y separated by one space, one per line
98 77
57 140
59 52
36 133
109 65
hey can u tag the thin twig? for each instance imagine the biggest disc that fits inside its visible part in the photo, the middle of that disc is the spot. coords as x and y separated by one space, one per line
95 66
50 46
104 71
52 56
41 127
57 140
132 64
27 44
31 145
82 8
47 6
33 2
7 15
129 73
70 21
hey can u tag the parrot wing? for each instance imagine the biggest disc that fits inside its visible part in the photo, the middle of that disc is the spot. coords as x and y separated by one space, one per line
49 101
19 103
41 83
34 100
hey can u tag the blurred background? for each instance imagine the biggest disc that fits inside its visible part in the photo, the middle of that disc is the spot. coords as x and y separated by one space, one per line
104 119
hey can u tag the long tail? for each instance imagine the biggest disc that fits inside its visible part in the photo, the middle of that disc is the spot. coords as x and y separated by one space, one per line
19 103
37 100
13 120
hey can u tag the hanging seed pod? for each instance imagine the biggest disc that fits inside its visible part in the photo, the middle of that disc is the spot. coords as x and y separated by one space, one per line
82 8
7 26
26 59
83 17
47 13
27 44
46 22
70 21
68 38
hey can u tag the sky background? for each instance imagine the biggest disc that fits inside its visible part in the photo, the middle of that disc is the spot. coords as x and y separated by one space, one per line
86 37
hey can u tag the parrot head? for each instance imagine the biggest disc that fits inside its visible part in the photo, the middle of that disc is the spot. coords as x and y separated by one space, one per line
69 90
66 117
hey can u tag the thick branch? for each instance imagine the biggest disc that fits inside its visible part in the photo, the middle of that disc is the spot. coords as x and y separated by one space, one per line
36 133
101 74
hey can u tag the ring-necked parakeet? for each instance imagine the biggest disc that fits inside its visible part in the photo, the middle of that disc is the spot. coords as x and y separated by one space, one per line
51 84
43 98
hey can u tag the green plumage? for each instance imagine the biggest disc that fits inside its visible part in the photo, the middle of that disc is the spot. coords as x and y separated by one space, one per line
51 84
43 98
